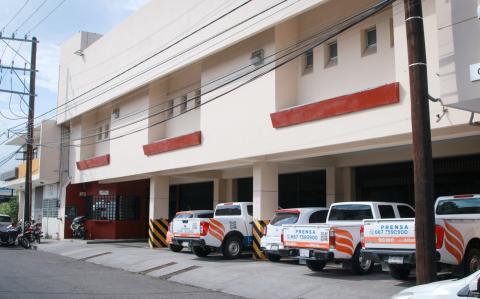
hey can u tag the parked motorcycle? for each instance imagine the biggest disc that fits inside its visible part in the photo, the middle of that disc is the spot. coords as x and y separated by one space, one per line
78 227
37 231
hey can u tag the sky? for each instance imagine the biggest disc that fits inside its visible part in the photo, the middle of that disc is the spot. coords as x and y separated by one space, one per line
72 16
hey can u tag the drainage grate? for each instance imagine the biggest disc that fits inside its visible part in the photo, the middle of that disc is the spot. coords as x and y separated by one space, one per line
94 256
157 268
168 276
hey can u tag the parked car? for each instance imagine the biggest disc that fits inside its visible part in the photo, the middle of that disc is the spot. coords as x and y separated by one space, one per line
339 238
457 231
468 287
5 220
185 215
271 243
229 231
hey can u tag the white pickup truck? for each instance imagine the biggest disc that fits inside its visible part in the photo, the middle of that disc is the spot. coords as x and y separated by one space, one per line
457 230
339 238
229 231
185 215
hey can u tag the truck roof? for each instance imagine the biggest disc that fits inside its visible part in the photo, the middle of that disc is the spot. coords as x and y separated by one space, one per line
459 196
234 203
194 212
301 210
368 203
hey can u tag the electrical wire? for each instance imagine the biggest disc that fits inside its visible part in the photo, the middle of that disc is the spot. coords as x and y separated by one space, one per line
283 60
15 15
192 99
46 17
31 15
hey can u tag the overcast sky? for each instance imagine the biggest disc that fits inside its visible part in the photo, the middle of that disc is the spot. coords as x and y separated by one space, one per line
98 16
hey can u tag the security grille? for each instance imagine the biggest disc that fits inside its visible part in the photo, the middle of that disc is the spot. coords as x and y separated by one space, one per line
50 208
112 207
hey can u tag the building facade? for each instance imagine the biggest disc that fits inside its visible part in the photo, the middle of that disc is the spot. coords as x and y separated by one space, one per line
296 103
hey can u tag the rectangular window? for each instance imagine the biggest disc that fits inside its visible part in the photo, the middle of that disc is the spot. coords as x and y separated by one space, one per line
406 211
371 37
170 108
112 207
183 104
228 210
106 135
459 206
198 98
50 208
332 52
308 65
99 130
350 212
386 211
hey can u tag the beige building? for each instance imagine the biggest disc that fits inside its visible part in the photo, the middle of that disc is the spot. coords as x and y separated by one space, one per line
293 103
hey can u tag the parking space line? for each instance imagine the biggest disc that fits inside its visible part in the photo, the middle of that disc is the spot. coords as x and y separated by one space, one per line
157 268
168 276
94 256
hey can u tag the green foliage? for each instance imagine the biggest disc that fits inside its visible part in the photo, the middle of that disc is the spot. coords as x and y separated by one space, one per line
10 208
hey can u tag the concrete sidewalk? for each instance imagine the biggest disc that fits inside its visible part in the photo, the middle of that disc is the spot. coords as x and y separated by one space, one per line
243 277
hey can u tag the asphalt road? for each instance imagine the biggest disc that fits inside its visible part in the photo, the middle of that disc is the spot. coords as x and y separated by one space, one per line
37 274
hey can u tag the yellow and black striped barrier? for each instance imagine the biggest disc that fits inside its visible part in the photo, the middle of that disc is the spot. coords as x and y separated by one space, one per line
157 233
258 228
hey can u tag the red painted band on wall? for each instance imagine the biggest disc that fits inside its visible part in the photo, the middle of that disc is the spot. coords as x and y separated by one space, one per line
93 162
172 144
367 99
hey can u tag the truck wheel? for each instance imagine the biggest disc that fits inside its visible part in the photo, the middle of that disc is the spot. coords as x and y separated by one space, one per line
175 248
316 266
232 248
472 261
360 264
201 251
399 271
273 257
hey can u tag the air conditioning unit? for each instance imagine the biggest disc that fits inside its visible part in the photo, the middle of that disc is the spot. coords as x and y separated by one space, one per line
257 57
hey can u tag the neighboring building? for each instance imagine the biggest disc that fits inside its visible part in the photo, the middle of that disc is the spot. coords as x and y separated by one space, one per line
45 177
176 132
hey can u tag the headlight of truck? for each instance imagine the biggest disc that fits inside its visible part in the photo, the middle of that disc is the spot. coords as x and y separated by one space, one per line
403 295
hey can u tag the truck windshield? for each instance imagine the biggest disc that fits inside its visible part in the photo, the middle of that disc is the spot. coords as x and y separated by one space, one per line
5 219
183 216
228 210
350 212
284 218
459 206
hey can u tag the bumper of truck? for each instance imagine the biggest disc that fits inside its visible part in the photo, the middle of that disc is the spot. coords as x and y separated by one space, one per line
393 256
188 242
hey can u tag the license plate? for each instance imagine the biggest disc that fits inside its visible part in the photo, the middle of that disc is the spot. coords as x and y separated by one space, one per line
304 252
274 247
395 259
185 244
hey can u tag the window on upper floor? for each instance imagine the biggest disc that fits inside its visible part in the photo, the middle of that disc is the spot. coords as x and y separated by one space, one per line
369 41
103 131
308 61
100 131
106 134
198 98
392 34
331 51
169 108
183 104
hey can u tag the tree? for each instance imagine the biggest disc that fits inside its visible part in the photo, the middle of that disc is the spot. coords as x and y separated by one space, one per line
10 208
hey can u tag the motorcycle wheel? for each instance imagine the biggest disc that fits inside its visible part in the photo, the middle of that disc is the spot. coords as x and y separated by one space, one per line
24 242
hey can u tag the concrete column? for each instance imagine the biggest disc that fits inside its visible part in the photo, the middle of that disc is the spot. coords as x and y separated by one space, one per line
339 184
21 204
219 191
159 197
265 190
230 190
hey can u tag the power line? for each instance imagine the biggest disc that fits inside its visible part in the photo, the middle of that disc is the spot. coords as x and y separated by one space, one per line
46 17
295 53
31 15
15 15
297 44
172 57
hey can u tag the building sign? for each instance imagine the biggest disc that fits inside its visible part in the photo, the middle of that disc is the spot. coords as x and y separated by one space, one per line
82 194
475 72
104 192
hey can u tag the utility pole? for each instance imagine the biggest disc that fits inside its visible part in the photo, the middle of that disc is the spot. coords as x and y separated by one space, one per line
31 117
422 144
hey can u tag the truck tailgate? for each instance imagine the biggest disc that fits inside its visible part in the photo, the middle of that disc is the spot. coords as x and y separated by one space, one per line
389 234
306 236
189 228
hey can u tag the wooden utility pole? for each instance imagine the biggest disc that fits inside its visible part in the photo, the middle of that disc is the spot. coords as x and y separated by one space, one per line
422 144
30 121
